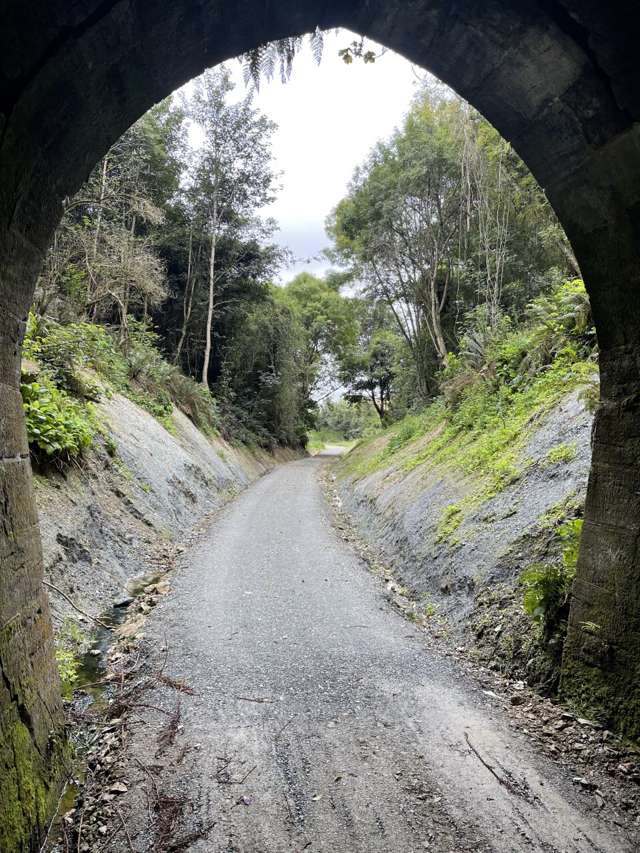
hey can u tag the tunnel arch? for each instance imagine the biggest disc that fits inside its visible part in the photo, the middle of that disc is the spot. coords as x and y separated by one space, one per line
558 78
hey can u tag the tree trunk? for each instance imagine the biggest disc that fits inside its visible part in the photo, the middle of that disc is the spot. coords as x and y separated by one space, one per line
96 236
187 302
207 348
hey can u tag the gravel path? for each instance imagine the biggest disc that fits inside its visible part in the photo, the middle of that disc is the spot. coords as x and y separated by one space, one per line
320 719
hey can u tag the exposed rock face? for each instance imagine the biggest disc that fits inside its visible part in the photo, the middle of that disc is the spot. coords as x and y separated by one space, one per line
559 78
106 524
402 512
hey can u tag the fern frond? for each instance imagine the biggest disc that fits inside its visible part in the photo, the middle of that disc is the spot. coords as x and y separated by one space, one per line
316 40
263 60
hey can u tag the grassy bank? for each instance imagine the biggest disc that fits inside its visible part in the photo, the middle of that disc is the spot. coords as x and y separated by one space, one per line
463 487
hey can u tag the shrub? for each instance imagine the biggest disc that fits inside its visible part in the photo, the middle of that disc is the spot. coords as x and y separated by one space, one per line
158 385
548 586
59 428
68 666
561 453
409 428
69 644
66 351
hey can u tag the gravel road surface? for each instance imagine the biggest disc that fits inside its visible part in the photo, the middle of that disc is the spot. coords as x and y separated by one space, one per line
321 720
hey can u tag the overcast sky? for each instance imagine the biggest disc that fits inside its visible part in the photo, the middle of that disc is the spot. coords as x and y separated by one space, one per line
328 116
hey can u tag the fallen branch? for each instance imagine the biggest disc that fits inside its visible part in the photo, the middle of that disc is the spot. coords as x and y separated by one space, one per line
488 766
246 775
75 606
168 734
180 686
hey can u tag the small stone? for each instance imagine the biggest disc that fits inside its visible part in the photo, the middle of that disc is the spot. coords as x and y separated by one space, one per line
584 783
517 699
590 723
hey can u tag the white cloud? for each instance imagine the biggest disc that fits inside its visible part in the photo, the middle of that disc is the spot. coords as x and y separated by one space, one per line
329 116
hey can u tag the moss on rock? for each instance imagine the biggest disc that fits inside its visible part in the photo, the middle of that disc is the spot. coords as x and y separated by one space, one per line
24 793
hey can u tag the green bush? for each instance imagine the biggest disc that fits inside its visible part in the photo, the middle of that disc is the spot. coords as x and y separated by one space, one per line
158 385
345 420
408 429
69 644
65 352
68 666
59 428
547 586
137 368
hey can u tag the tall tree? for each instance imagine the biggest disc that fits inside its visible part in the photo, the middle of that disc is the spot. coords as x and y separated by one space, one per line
231 177
443 218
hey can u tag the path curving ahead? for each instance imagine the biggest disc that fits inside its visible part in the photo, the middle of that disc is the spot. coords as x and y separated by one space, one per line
321 720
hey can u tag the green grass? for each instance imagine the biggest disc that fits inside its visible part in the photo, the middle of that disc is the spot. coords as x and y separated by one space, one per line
450 522
561 453
317 440
482 438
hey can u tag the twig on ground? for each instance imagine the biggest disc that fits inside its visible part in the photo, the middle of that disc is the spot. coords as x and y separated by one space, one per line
246 775
126 831
482 761
180 686
191 838
149 774
283 728
75 606
168 734
259 699
55 814
151 707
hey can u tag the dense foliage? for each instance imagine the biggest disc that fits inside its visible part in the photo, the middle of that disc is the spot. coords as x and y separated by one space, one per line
448 236
158 285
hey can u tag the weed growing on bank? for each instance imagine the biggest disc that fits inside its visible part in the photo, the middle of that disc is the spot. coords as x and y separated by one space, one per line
547 586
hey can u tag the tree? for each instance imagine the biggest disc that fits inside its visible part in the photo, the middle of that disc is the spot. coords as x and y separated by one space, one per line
443 218
103 263
329 322
369 371
261 384
399 225
231 176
